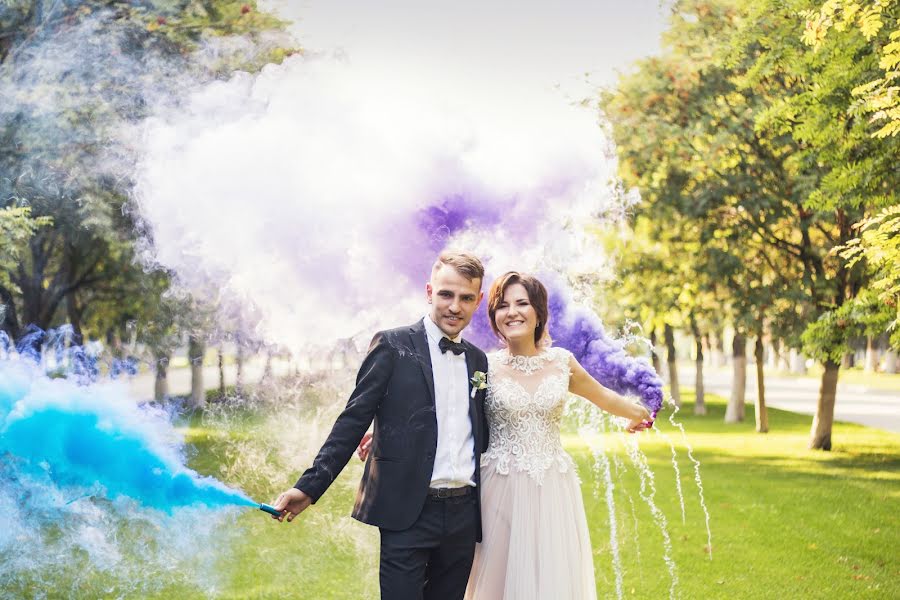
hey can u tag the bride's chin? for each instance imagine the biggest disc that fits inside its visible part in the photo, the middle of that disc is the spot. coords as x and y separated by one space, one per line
518 335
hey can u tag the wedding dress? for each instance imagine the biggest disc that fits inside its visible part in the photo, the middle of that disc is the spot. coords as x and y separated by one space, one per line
535 537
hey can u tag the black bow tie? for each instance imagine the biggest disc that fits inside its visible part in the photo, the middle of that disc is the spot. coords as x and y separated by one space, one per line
447 344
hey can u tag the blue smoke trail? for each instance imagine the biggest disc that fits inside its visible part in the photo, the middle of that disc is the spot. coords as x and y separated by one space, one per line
91 438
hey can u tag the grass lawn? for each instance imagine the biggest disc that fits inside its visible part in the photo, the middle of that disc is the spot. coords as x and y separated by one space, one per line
786 522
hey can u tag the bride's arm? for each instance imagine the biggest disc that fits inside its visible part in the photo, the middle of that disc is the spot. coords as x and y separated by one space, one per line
582 384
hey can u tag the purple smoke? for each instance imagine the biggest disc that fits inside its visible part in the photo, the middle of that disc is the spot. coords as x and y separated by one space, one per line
572 327
581 332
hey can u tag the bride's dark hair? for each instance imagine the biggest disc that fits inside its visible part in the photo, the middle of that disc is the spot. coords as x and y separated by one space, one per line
537 295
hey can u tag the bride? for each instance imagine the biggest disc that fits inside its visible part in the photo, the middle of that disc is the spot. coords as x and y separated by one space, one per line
535 538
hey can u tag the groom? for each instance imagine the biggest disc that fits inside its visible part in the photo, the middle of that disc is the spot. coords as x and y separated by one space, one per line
420 483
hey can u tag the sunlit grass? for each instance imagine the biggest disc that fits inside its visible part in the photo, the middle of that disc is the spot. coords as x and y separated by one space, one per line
786 522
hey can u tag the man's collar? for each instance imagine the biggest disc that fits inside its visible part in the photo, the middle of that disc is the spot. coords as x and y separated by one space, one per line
435 333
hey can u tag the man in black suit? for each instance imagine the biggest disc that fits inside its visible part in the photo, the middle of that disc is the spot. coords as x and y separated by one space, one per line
420 483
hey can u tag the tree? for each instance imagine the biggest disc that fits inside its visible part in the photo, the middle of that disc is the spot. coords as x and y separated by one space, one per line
685 138
66 158
831 168
16 228
741 130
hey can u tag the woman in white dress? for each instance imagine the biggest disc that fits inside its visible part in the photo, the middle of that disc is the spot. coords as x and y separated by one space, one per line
535 536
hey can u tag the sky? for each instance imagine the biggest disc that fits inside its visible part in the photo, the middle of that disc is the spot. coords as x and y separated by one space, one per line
489 44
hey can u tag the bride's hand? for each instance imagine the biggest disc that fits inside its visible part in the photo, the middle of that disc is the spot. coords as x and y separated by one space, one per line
365 444
640 420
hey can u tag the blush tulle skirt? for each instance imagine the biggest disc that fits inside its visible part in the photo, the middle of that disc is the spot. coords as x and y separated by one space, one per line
535 540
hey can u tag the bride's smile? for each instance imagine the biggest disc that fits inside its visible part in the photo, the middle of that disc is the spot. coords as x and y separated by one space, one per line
515 317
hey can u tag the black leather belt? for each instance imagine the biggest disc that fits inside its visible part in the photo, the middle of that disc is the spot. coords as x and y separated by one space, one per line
449 492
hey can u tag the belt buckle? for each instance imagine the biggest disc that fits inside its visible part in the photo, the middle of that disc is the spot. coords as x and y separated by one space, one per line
444 493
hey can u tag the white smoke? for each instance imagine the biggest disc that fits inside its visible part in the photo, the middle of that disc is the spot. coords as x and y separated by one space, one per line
293 194
295 191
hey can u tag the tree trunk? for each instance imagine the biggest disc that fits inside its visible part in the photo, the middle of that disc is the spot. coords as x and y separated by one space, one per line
267 369
73 312
700 402
239 370
762 415
847 361
669 334
784 360
871 355
708 350
221 374
196 350
719 359
161 381
824 420
890 361
798 362
9 322
654 357
734 412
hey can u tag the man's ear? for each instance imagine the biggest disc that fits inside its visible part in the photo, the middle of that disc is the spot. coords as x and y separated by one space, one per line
428 292
480 297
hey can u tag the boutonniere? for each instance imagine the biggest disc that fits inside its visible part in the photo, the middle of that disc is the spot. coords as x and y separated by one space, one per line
478 381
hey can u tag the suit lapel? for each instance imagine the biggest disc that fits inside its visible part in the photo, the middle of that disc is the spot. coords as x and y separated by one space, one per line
470 365
420 343
473 405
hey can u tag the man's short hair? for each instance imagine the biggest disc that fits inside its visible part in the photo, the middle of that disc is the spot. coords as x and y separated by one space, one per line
463 263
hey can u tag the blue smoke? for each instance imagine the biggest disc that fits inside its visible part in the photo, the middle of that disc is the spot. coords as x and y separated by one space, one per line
86 437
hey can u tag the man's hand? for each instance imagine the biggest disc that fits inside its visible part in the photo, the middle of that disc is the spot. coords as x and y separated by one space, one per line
365 444
291 503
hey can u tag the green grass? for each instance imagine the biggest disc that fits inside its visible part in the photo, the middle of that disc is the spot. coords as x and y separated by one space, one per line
786 522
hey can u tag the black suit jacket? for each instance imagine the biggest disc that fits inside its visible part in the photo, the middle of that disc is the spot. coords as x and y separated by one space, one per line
395 387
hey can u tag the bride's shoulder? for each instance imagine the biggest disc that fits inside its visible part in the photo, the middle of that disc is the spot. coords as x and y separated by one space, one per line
496 355
558 353
496 358
560 357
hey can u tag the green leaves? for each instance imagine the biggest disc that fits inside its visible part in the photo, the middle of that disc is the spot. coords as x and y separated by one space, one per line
879 96
16 228
75 79
751 147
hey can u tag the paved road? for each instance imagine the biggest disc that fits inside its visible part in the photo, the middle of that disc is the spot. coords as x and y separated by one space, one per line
855 403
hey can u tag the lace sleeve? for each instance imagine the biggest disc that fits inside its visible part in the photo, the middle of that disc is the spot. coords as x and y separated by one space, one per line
562 357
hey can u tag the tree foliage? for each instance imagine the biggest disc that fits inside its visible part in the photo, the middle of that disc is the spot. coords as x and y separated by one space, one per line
878 97
75 80
753 173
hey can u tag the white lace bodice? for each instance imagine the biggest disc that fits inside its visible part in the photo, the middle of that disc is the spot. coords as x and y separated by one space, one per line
524 405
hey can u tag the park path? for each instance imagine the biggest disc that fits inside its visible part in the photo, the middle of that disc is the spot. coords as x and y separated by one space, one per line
855 403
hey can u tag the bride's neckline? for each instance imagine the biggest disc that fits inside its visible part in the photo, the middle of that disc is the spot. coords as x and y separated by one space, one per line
523 363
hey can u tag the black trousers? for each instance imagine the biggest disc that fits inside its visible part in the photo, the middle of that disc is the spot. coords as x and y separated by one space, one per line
431 560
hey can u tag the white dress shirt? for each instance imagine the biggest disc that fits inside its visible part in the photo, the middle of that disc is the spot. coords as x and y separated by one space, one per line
454 462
